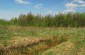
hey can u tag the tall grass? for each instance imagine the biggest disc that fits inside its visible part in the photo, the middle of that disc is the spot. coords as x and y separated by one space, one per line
59 20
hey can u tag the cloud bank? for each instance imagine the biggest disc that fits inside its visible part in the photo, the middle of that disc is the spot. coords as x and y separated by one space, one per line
22 2
73 4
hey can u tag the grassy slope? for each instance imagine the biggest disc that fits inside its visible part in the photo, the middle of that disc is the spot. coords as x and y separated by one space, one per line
73 46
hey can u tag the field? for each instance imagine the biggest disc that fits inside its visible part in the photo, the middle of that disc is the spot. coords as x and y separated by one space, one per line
39 27
20 40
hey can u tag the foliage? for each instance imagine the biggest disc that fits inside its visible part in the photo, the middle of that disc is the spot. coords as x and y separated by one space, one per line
59 20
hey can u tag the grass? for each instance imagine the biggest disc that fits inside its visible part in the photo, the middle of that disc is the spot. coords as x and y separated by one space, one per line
20 40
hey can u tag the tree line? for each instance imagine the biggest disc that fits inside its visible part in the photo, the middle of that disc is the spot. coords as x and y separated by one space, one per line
58 20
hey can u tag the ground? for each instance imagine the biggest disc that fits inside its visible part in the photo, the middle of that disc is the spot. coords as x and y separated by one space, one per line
18 40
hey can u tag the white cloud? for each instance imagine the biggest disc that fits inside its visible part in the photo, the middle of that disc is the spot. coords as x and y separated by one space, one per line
71 5
22 2
79 1
38 6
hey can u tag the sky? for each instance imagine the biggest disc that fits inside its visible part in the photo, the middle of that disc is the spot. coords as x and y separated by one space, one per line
13 8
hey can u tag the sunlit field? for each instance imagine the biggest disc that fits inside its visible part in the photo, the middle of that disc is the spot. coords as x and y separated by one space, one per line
42 27
62 34
18 40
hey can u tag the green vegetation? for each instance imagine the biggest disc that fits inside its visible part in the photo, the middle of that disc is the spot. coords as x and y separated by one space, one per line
62 34
42 40
59 20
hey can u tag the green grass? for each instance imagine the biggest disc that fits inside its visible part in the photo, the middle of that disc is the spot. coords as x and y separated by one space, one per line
73 34
76 36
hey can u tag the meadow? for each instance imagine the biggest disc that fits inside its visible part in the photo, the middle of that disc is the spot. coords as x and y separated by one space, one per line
62 34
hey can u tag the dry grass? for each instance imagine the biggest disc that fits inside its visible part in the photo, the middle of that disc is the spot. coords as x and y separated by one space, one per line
29 45
17 40
25 41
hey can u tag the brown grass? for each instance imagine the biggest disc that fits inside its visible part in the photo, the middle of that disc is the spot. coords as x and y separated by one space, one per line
28 45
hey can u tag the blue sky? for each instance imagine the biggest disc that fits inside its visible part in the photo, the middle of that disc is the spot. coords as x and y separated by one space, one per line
13 8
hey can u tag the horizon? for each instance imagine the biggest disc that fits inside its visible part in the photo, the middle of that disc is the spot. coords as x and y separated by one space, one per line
13 8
